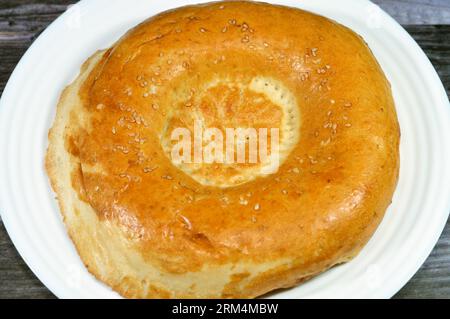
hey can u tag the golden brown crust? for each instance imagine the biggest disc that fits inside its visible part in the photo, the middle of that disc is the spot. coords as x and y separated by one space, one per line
151 229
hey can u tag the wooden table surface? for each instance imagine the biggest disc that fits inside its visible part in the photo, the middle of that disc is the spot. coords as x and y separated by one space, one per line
428 21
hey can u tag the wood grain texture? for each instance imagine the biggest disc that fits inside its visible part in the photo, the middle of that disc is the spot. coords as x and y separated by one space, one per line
22 20
417 11
16 279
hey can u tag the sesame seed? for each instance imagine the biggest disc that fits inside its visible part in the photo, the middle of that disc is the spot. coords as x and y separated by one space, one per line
325 142
148 169
257 207
186 222
243 201
312 160
153 89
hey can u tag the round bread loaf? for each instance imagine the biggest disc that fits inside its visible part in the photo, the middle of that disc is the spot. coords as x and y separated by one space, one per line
153 227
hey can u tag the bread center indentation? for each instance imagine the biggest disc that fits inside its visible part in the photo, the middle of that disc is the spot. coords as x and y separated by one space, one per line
230 132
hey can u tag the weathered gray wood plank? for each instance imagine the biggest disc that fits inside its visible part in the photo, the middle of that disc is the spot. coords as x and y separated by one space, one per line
22 20
16 279
417 11
433 278
23 16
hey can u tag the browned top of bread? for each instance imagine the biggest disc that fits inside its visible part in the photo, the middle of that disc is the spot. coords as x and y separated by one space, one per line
338 173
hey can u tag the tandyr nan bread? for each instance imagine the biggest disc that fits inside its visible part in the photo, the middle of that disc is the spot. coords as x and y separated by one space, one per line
153 227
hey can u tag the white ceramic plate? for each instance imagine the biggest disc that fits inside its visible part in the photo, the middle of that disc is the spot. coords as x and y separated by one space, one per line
405 238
